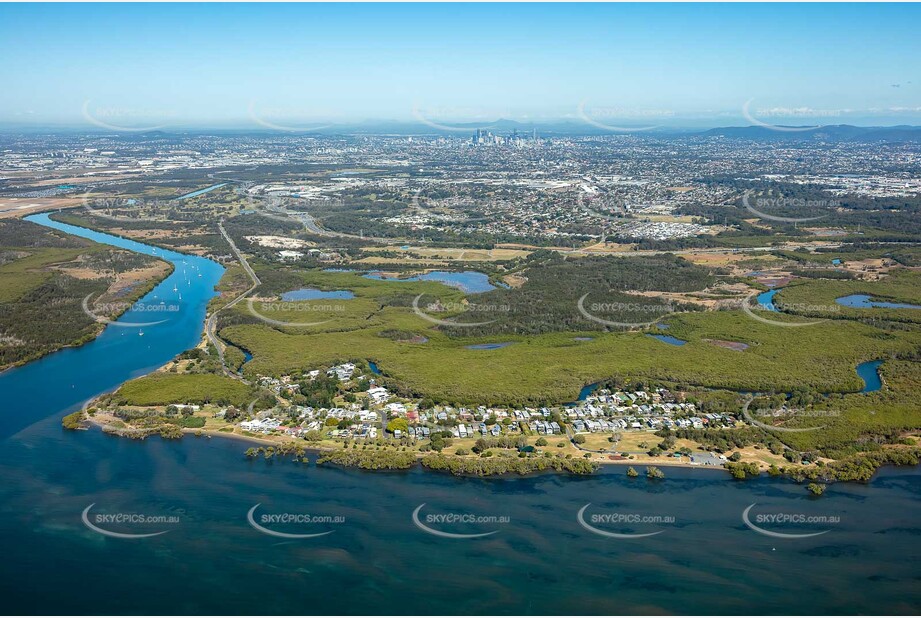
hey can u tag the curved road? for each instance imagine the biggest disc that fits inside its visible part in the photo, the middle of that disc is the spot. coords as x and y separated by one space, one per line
211 324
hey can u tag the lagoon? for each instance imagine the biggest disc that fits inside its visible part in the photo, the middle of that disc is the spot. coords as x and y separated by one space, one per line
668 339
869 373
469 281
863 301
201 191
315 294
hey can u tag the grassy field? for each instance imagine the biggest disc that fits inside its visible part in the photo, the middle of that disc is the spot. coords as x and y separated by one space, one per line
165 388
553 367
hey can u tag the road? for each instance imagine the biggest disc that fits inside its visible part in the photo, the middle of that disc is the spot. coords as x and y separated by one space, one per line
310 224
211 324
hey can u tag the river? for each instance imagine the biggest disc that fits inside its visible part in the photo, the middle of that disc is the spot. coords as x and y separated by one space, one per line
63 381
538 558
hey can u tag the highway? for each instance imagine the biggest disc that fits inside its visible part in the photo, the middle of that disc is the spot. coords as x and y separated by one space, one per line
211 324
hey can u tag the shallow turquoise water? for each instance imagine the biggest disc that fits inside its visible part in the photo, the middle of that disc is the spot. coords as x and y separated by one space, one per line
766 300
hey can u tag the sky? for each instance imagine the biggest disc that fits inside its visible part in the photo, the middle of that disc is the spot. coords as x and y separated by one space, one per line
305 65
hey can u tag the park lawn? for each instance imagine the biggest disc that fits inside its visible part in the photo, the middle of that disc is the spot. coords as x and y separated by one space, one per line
593 441
630 441
168 388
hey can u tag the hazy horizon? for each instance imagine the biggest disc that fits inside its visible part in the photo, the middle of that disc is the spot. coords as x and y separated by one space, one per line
302 67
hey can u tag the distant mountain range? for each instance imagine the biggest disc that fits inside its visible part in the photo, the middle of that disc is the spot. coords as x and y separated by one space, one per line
544 128
832 133
502 126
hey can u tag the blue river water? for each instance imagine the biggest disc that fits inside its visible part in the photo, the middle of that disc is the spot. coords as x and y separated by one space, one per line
863 301
489 346
62 382
869 373
541 560
468 281
766 299
315 294
668 339
200 191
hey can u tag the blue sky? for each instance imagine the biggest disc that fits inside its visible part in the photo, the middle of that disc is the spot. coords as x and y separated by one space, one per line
223 64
